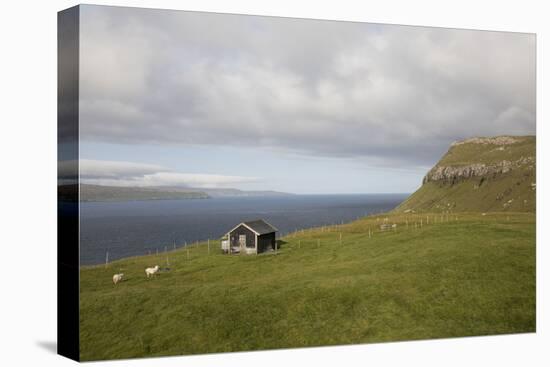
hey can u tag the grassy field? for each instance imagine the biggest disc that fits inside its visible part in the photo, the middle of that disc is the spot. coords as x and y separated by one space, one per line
449 276
467 153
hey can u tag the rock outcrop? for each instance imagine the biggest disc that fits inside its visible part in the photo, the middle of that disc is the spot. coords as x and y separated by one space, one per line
497 140
453 174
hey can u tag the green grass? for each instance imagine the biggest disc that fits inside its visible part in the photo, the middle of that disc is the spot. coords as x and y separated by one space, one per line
470 275
463 154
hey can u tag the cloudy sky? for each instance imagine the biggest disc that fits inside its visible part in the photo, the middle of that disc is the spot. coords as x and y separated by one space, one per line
303 106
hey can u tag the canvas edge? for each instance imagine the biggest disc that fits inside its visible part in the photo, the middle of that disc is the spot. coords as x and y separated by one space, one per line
68 340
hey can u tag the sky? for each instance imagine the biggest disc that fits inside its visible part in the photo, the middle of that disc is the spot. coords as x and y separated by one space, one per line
304 106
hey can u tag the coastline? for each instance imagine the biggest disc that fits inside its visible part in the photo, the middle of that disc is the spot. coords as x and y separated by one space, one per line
138 228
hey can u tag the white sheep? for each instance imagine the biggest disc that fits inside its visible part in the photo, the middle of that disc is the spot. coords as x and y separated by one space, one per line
151 271
117 278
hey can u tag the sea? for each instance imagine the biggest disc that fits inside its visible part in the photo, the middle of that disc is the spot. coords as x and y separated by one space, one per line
132 228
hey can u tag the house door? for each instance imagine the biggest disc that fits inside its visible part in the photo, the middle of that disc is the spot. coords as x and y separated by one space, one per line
242 240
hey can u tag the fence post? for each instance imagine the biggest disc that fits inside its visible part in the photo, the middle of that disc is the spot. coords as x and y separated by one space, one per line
106 258
209 246
299 243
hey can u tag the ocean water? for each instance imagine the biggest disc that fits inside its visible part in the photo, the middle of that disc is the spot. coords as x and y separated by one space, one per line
138 227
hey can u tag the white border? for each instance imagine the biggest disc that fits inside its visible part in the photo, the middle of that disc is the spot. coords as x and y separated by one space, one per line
28 184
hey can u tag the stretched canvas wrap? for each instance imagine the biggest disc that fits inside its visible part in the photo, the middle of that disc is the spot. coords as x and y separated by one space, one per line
235 183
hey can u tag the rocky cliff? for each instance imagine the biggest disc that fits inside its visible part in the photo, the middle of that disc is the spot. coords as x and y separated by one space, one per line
452 174
480 174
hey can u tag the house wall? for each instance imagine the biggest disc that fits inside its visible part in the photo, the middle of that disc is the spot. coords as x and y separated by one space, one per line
240 230
266 242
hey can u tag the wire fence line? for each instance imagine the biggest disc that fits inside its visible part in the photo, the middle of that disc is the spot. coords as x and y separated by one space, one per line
364 229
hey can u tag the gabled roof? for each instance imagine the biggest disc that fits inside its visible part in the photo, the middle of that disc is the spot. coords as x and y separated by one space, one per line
258 226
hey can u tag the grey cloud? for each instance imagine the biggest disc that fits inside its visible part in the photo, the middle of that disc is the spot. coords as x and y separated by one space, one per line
397 93
95 169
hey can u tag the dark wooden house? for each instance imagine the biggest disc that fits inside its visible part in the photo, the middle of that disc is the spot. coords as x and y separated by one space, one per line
251 237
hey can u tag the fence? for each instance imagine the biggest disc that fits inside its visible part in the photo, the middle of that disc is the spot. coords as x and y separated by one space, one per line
368 228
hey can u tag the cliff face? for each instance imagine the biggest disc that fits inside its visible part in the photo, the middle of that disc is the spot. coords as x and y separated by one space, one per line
480 174
450 174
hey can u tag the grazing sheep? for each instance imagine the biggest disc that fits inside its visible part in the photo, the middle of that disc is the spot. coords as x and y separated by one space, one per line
117 278
151 271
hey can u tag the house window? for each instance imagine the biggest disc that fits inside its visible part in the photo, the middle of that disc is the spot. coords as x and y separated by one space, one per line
242 240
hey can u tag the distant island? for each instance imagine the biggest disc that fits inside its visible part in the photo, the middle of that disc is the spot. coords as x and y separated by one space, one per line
91 193
125 193
218 192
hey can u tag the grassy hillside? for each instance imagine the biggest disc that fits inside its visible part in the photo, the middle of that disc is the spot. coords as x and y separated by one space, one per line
433 276
480 174
119 193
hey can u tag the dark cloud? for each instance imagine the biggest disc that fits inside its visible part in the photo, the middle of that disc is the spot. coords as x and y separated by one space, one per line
395 95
